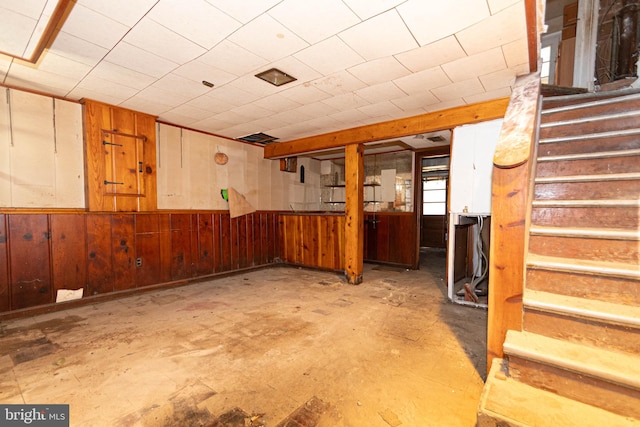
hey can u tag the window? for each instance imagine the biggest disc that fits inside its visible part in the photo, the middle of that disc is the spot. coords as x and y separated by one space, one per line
434 196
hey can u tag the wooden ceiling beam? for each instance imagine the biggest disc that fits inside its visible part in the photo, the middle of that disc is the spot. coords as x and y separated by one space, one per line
429 122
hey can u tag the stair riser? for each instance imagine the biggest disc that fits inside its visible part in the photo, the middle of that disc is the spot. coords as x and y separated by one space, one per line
597 334
615 190
623 218
578 129
624 251
594 111
609 289
602 394
563 101
577 146
589 166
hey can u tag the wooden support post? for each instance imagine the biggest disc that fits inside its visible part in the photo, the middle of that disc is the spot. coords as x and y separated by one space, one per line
354 212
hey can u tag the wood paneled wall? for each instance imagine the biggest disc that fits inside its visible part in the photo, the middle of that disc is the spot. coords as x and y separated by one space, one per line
318 240
390 237
103 253
313 240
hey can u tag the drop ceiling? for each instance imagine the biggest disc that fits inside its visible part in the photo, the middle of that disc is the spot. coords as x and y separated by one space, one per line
356 62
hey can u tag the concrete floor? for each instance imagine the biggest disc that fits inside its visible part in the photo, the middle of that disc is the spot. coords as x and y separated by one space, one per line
278 346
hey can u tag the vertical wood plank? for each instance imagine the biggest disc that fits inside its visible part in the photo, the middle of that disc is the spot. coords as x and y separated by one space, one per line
147 249
354 213
217 243
246 232
225 241
99 261
205 244
165 247
29 261
123 243
180 246
5 302
235 243
68 249
146 126
264 221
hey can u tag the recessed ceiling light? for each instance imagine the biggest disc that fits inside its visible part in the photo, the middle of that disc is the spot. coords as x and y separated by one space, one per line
275 77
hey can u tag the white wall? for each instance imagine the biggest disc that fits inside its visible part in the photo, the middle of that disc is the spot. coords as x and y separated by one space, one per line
41 151
189 178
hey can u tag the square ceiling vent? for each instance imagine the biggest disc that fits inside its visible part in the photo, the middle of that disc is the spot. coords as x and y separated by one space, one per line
258 138
276 77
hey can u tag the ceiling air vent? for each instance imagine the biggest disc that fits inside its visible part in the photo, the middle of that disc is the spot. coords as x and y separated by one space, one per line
436 138
258 138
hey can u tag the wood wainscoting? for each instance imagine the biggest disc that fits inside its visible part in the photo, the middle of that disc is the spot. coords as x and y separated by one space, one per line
103 253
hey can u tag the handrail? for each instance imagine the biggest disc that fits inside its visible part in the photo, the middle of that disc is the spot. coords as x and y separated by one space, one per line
518 132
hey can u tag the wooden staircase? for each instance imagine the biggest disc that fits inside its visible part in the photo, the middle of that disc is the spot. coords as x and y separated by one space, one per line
576 360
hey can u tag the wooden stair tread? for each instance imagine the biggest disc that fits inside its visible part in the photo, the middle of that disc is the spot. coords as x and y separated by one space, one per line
631 176
595 203
621 314
590 119
597 102
593 155
591 233
597 135
573 265
611 366
517 404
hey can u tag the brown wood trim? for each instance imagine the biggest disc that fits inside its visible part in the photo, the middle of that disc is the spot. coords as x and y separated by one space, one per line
534 10
354 213
429 122
519 131
59 15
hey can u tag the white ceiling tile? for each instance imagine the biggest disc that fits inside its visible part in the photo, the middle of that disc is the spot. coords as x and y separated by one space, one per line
245 10
458 90
268 39
140 60
159 40
380 92
446 105
62 66
476 65
121 75
185 114
29 77
252 111
314 21
292 116
77 49
209 104
431 21
304 94
380 109
258 87
29 8
94 27
370 42
499 79
232 95
502 28
95 84
195 22
504 92
329 56
126 12
232 58
416 101
317 109
172 98
379 70
181 85
268 123
349 116
238 130
212 124
497 5
338 83
432 55
198 71
365 9
424 80
109 97
15 32
516 53
145 105
231 117
276 102
345 101
5 62
295 68
323 122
